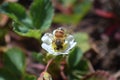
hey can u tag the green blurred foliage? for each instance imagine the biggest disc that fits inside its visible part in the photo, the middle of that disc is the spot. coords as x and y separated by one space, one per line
80 9
14 59
3 32
82 40
67 3
6 75
36 21
99 75
14 66
41 12
77 65
39 57
79 71
30 77
74 57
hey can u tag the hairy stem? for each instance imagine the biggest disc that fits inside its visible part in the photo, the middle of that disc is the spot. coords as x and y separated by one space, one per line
48 64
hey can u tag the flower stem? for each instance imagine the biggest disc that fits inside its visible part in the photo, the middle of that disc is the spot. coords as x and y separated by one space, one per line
62 73
49 62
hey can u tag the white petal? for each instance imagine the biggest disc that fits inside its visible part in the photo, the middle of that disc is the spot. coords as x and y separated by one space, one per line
70 38
71 43
71 46
47 48
58 53
47 38
66 52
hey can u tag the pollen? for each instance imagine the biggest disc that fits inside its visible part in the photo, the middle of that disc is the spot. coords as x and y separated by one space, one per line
58 46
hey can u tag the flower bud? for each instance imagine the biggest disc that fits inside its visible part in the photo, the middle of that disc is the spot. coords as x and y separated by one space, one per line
45 76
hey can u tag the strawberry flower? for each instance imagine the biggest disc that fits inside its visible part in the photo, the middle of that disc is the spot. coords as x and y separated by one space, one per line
58 42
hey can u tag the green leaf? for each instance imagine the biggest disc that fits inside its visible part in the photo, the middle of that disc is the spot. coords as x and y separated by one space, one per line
13 10
38 57
41 12
80 9
78 72
83 7
82 67
2 35
66 19
82 40
77 65
31 33
40 18
30 77
26 31
74 57
6 75
14 60
21 22
68 3
20 28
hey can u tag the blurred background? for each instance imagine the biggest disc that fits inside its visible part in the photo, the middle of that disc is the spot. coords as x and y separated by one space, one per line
99 20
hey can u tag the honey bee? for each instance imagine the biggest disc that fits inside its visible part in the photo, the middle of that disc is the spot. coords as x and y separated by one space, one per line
59 39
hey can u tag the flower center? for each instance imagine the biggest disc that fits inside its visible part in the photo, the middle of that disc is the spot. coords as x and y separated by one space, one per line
59 45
